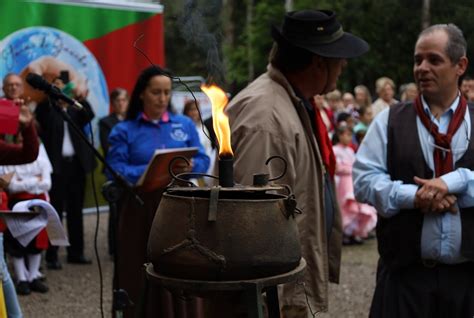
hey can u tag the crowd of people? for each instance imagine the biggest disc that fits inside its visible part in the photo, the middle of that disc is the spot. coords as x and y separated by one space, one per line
418 188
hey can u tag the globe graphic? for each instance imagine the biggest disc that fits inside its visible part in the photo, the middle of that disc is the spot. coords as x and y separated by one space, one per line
27 45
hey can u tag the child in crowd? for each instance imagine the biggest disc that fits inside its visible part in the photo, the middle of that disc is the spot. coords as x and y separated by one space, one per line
29 181
358 219
346 119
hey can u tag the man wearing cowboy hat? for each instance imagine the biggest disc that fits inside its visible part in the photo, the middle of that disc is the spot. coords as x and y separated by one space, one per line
274 116
416 166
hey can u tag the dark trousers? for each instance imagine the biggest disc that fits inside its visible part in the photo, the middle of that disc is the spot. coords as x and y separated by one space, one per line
418 291
67 194
112 227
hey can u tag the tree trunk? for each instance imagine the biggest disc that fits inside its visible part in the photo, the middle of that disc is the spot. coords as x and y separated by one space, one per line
251 67
425 14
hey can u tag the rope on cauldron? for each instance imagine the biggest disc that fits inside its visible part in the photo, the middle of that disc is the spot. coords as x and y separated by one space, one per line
191 242
313 313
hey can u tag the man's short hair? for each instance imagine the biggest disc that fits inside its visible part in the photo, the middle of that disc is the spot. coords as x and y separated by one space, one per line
9 75
456 46
289 58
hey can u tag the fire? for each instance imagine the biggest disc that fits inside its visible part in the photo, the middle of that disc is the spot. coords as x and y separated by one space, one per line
220 121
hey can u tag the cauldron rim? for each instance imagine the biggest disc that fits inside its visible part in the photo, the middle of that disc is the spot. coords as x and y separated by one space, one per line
236 188
273 197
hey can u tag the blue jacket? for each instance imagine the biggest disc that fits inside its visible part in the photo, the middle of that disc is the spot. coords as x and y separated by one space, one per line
133 143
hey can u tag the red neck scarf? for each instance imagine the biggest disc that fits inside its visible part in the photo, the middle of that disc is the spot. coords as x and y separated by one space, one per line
325 145
443 160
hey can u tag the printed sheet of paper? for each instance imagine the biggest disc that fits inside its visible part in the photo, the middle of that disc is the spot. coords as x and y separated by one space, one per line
25 229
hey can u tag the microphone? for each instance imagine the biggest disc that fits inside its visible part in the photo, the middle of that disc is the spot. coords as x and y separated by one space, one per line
38 82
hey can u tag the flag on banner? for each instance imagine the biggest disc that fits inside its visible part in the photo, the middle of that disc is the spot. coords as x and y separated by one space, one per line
92 39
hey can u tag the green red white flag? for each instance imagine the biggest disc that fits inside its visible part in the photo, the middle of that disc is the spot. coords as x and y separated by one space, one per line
94 38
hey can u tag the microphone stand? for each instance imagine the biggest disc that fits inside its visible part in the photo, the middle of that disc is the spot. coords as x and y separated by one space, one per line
112 195
117 177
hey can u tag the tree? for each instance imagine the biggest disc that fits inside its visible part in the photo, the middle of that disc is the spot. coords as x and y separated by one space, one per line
243 40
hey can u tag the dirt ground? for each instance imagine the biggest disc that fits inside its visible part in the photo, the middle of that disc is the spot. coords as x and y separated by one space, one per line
74 290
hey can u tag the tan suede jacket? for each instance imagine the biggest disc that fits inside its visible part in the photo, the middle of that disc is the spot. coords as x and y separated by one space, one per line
267 119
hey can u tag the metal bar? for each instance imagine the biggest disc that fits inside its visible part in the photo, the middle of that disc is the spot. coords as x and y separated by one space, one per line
253 299
273 304
213 200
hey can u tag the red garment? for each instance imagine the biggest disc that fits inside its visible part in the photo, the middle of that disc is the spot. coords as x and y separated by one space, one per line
353 146
3 206
443 160
330 115
11 154
325 145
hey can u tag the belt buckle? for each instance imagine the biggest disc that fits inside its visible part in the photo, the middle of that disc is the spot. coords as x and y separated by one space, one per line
429 263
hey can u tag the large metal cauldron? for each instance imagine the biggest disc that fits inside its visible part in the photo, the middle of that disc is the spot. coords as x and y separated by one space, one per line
224 233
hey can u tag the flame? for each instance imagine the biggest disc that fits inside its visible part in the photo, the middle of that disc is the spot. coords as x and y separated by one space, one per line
220 121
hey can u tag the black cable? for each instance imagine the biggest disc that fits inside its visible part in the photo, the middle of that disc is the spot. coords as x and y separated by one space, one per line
96 234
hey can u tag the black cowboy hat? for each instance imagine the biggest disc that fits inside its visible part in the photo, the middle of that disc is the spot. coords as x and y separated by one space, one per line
319 32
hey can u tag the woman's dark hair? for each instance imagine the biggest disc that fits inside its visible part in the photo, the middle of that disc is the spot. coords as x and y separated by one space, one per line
343 117
188 106
340 129
136 104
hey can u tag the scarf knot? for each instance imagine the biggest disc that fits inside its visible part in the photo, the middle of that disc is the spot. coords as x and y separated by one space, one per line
443 159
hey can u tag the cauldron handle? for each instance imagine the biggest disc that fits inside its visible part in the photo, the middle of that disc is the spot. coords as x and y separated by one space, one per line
284 169
178 177
290 203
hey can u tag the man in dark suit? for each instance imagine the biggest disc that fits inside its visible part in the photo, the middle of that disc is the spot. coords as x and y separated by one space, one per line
72 159
119 101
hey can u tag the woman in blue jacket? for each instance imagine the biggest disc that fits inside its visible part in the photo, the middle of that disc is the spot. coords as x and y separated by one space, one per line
149 125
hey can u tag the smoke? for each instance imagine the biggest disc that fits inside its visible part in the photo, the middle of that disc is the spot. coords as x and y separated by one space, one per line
195 32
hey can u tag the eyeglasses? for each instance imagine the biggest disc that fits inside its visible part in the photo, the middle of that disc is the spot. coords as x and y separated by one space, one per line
453 149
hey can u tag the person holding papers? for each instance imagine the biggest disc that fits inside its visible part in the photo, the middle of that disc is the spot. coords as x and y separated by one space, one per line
16 154
149 125
29 181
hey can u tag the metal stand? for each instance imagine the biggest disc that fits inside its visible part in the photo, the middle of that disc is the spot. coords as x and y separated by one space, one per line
253 289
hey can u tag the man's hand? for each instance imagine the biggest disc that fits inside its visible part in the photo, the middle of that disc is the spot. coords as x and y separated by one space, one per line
6 179
25 116
50 67
433 196
181 166
432 188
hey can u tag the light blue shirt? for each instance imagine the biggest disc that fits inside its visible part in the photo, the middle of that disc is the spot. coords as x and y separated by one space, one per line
441 233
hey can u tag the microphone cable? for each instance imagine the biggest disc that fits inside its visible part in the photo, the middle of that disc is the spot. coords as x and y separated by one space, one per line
165 73
96 232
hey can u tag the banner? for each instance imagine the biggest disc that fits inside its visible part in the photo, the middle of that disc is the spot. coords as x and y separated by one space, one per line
92 39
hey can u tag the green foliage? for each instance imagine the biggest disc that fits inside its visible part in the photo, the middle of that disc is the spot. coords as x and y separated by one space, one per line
192 33
266 15
255 35
389 26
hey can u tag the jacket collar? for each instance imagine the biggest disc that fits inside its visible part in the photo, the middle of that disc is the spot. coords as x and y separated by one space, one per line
165 118
276 75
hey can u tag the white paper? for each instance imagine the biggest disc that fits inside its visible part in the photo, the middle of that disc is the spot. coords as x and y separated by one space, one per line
26 229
